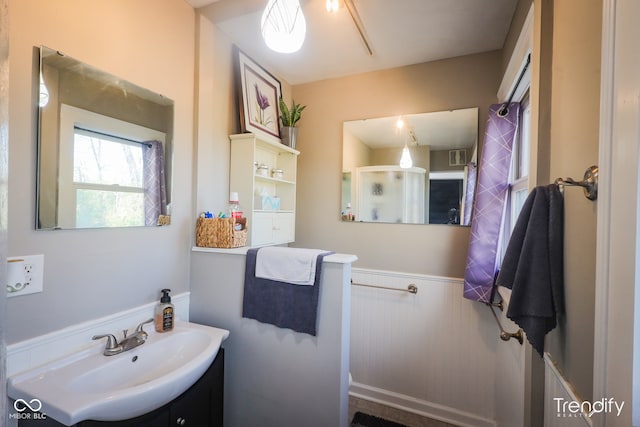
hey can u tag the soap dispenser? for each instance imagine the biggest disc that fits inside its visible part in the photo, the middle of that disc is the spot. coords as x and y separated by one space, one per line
163 318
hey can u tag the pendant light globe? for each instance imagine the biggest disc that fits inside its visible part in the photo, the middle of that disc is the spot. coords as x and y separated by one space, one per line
405 160
283 26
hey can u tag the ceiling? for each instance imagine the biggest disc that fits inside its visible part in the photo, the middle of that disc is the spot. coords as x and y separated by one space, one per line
401 32
443 130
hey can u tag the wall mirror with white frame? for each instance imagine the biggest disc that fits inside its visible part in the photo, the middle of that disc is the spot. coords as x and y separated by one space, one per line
104 148
382 183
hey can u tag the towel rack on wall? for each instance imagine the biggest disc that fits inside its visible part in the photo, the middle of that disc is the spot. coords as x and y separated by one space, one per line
589 184
504 335
411 288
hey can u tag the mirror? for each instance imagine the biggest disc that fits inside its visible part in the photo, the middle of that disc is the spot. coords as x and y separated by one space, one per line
431 190
104 148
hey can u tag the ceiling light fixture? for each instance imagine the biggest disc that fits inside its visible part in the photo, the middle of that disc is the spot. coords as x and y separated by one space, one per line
332 6
283 26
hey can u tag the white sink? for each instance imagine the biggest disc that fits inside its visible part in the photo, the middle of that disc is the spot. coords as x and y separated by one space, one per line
88 385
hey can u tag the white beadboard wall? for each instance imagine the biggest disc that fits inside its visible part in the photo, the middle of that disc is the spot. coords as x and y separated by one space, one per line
432 353
557 387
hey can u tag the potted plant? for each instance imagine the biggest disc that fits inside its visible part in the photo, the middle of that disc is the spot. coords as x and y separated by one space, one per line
289 117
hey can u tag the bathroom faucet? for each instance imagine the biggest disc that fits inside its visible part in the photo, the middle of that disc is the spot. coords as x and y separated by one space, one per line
127 343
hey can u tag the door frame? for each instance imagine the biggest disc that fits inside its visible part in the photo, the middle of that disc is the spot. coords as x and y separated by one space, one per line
617 243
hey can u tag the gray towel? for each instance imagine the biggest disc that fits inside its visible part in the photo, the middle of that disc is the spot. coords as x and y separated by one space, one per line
278 303
533 265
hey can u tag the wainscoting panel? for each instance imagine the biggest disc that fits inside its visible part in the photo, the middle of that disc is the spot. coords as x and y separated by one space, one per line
559 395
432 353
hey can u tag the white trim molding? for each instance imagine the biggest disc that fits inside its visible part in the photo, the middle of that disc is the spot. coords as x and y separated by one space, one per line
616 336
418 406
517 61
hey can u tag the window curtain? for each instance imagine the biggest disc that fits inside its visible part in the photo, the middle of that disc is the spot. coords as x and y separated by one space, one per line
155 192
472 176
490 202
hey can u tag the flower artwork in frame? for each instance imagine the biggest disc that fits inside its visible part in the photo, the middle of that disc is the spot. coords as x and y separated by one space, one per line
260 92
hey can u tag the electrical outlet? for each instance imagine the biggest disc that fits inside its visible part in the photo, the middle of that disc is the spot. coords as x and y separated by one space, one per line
25 275
28 272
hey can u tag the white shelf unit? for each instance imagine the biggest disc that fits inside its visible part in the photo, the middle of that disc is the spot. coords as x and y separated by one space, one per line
266 227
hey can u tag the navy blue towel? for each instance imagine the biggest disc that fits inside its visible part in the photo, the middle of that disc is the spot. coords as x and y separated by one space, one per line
278 303
533 265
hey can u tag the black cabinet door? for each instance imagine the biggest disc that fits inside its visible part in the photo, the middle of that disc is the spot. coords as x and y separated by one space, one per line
202 405
157 418
192 410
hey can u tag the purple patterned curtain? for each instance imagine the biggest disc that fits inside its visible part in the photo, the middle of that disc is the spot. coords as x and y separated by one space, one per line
490 200
472 175
155 192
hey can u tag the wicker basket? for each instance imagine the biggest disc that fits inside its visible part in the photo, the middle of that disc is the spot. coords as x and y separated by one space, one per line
220 233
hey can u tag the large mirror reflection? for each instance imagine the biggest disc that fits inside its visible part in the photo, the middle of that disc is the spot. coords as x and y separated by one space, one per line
104 148
413 169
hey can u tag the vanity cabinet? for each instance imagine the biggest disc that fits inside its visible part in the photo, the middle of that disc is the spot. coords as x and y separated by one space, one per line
200 406
263 173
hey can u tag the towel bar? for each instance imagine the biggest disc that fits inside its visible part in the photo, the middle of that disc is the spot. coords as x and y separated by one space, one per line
412 289
504 335
589 184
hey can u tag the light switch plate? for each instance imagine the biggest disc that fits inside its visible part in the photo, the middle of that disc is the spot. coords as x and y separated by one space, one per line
25 275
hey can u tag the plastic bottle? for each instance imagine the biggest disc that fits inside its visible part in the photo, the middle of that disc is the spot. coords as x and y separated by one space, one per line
234 206
163 318
349 213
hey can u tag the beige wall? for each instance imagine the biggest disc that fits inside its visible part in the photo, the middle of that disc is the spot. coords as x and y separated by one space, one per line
420 156
519 16
470 81
355 153
217 115
94 273
575 101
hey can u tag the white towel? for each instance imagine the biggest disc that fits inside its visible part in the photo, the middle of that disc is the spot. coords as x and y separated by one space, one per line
290 265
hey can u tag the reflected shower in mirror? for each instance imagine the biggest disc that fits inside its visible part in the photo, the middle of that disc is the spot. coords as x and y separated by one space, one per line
104 148
412 169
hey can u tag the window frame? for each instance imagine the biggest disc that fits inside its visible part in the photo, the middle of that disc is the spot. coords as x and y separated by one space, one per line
519 181
72 117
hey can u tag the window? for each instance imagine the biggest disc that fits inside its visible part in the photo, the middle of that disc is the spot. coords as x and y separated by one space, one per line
101 170
107 180
519 180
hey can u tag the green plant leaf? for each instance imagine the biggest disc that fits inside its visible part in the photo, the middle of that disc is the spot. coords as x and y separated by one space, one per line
290 116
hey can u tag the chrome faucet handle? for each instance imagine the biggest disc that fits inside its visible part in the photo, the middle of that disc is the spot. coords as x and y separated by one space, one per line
112 342
139 328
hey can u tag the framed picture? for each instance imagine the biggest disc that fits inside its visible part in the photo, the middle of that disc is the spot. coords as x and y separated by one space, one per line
259 92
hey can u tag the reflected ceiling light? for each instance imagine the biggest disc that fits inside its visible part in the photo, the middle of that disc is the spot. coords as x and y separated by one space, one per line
283 26
405 160
44 93
332 6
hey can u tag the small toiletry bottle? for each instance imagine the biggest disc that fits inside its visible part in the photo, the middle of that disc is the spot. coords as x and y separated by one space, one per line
349 212
234 206
163 318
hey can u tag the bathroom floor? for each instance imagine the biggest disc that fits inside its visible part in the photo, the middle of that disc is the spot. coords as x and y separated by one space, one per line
392 414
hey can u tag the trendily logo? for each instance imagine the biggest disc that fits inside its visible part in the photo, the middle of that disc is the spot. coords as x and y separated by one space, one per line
572 408
21 405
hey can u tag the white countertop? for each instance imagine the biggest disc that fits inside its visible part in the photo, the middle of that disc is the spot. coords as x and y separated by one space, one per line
333 258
